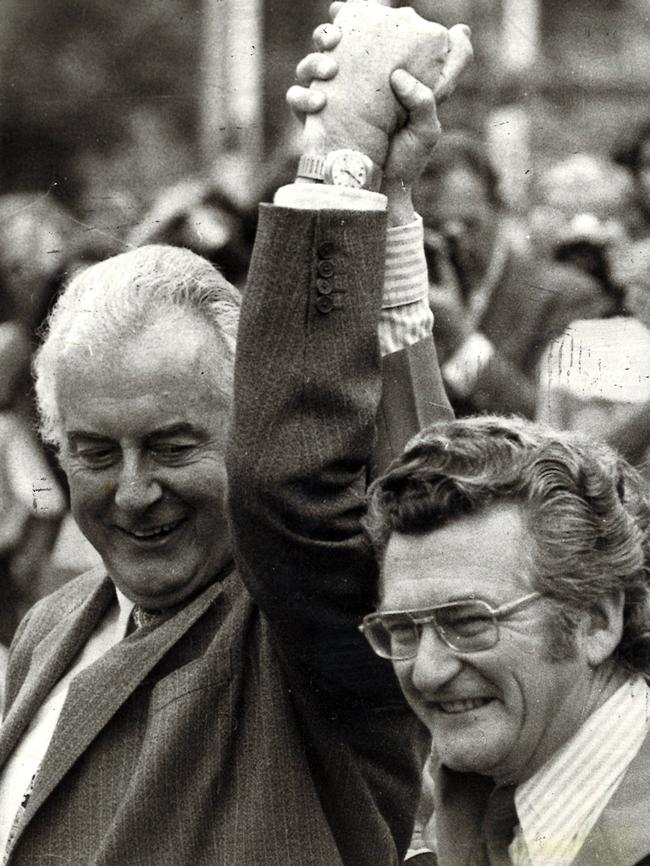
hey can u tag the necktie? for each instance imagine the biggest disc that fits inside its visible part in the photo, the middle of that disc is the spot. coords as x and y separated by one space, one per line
141 617
498 827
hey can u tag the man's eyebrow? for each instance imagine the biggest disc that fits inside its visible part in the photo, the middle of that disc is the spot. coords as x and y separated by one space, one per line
180 427
76 435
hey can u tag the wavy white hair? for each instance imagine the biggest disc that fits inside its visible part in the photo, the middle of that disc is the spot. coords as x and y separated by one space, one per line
116 299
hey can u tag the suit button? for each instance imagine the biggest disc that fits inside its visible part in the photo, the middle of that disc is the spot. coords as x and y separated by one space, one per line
324 304
323 287
326 250
326 268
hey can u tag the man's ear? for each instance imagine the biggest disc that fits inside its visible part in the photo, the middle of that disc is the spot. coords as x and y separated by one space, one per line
602 627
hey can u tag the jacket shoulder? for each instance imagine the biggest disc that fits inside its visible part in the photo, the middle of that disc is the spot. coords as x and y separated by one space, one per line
50 609
40 620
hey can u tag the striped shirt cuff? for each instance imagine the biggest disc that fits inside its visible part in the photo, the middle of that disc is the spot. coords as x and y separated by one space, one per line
405 317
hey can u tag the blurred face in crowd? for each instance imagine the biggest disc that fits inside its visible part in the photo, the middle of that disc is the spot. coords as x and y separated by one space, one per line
144 442
33 252
502 711
457 206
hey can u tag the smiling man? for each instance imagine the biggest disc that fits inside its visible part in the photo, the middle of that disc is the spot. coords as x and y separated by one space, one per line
204 698
515 608
143 394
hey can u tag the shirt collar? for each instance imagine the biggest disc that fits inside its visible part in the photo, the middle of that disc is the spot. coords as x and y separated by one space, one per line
558 806
126 607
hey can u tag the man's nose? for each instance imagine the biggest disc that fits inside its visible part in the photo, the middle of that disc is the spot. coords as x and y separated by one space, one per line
137 485
435 663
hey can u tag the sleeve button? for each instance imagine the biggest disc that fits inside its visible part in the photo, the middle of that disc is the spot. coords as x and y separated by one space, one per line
324 304
326 249
326 268
323 287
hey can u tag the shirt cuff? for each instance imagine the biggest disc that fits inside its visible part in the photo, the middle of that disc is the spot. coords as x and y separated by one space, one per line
406 317
406 278
324 196
465 366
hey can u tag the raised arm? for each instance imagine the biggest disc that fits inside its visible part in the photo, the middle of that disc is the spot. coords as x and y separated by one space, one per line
308 387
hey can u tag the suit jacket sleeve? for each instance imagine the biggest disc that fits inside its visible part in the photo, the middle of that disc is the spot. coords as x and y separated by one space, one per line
307 391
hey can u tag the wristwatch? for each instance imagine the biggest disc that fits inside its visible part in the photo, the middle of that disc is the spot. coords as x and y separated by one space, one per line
343 167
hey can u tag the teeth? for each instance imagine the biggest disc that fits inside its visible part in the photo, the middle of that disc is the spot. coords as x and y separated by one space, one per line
152 533
462 706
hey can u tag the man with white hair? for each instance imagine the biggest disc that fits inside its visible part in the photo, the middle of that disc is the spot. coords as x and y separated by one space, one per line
204 697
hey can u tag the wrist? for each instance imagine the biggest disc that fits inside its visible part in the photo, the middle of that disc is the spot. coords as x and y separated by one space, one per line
400 204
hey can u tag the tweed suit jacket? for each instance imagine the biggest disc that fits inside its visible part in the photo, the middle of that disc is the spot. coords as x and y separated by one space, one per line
255 726
620 836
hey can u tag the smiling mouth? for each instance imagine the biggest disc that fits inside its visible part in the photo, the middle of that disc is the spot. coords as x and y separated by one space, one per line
156 533
464 706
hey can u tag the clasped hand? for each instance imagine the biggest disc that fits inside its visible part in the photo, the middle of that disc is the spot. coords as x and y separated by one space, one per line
374 84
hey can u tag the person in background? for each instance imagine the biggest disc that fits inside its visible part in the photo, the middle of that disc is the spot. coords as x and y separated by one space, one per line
204 697
515 606
199 216
496 302
632 263
632 152
37 241
595 376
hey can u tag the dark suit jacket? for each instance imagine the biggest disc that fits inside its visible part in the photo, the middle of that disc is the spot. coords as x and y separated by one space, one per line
254 727
532 302
620 837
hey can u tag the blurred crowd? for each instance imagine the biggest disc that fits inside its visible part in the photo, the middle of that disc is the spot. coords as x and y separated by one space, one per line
544 314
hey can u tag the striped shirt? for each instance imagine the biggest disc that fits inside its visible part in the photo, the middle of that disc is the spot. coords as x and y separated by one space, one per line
406 317
559 805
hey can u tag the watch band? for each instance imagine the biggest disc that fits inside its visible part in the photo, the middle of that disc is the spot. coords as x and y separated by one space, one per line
312 167
318 167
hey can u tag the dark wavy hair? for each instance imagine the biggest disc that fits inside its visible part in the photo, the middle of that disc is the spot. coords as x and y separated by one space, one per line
587 510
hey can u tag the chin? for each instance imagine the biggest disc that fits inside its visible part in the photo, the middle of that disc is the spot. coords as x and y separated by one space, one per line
473 756
156 594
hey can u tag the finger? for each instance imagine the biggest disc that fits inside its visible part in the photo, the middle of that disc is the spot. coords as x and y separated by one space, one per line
459 56
320 66
326 36
420 105
304 101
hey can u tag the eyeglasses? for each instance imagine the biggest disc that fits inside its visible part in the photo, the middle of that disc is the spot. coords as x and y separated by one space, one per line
464 626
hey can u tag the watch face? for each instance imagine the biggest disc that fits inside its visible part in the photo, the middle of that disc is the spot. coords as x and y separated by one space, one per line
348 168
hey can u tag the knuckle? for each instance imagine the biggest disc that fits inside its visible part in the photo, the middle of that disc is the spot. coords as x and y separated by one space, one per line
425 96
320 33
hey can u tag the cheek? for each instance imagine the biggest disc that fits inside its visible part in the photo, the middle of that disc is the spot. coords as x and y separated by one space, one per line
89 495
404 673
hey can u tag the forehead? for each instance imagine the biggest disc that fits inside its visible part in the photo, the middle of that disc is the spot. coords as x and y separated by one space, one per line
165 374
484 554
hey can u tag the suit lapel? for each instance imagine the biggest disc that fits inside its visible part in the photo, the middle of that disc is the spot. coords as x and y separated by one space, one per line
50 660
459 805
99 691
621 836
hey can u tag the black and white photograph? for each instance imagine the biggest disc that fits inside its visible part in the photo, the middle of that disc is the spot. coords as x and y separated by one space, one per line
325 433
